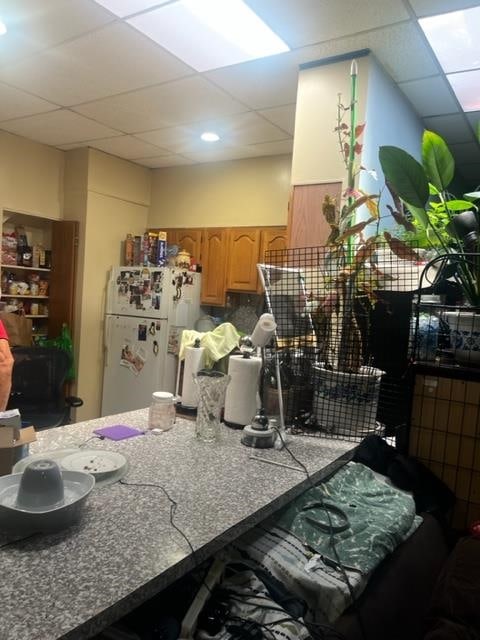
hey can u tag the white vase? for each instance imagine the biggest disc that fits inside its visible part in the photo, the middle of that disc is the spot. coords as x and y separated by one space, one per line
464 336
346 403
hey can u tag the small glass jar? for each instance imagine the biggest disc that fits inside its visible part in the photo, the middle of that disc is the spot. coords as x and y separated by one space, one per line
161 413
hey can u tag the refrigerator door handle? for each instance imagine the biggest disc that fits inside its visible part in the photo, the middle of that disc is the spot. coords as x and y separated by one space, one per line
106 338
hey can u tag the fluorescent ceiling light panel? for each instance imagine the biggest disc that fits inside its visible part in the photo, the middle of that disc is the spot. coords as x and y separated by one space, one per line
3 28
467 88
454 37
124 8
208 34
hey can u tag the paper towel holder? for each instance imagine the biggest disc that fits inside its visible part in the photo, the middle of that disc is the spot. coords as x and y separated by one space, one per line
183 408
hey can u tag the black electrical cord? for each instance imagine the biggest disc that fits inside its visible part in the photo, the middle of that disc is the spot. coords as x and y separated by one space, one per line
96 437
332 539
323 628
173 508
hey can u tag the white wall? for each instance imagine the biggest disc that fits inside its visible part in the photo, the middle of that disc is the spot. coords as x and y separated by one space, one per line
390 120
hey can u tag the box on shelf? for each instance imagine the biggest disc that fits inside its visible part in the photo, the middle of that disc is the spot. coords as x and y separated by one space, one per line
14 440
9 248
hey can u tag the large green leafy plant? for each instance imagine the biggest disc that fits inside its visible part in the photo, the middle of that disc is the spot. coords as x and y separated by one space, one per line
439 219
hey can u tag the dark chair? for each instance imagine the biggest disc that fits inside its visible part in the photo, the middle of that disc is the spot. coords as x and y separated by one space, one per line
38 386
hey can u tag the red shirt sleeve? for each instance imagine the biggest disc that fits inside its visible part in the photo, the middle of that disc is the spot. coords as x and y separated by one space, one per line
3 332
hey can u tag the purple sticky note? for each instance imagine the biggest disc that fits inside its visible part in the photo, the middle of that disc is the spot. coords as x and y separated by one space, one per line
118 432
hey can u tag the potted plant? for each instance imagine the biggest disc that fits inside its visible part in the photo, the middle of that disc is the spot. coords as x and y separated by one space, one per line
447 224
346 387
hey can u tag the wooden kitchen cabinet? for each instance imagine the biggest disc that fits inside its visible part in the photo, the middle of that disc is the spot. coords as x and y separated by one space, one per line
307 226
243 255
190 240
228 257
214 258
273 239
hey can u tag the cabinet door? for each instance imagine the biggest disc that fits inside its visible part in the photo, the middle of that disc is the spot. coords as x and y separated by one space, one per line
273 239
307 226
62 276
243 254
190 240
213 266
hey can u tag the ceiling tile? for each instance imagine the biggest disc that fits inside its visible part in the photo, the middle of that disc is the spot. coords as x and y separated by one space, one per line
15 103
452 128
283 117
433 7
187 100
465 152
474 118
263 83
272 82
34 25
471 173
273 148
127 147
163 161
107 61
222 154
235 153
304 22
245 129
58 127
420 93
172 138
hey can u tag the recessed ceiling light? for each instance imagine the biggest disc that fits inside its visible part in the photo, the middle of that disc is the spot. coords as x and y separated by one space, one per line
124 8
3 28
454 38
210 136
208 34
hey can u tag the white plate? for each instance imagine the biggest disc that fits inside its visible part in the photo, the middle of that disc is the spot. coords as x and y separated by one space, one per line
101 464
55 454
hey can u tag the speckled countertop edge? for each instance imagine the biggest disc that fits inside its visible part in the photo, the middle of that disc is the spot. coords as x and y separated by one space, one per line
220 491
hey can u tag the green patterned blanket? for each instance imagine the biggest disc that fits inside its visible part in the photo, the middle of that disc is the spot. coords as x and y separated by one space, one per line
364 517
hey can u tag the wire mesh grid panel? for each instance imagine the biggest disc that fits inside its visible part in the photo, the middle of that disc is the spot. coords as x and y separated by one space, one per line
343 331
446 334
444 436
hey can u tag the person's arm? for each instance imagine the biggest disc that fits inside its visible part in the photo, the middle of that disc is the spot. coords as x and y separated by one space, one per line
6 367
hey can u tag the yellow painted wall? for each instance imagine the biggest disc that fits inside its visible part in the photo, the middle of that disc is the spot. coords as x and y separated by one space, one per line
110 198
31 177
108 221
118 178
316 154
236 193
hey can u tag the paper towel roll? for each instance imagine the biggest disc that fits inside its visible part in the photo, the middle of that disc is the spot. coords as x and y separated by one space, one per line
194 361
264 330
241 397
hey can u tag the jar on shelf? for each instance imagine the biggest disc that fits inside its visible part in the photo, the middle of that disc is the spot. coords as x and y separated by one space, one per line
161 413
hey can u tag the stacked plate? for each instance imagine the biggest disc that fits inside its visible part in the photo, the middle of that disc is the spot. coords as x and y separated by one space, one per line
106 467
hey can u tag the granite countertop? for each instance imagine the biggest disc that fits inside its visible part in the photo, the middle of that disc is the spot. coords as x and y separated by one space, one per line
74 583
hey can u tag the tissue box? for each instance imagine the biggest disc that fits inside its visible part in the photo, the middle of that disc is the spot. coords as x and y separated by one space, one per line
11 439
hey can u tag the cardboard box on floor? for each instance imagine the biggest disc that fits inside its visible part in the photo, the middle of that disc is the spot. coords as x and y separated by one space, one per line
11 438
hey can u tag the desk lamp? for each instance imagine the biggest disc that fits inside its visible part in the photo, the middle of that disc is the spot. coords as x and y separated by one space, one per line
259 434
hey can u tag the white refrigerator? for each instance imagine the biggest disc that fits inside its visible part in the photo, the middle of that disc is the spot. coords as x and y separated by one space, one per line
146 310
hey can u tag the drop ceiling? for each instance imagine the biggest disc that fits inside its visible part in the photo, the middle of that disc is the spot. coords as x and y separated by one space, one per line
72 74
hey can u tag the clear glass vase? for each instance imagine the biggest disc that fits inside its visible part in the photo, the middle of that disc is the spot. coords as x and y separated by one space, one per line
212 386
